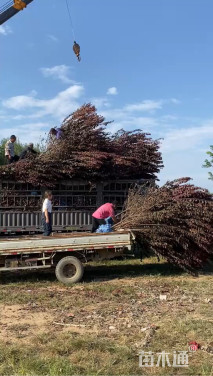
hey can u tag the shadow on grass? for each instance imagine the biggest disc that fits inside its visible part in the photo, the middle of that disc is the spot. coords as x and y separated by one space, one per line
122 270
104 271
98 272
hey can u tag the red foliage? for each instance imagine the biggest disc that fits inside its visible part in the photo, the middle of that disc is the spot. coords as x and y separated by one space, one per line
175 221
87 151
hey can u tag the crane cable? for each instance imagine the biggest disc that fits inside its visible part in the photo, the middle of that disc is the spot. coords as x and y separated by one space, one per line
76 47
70 17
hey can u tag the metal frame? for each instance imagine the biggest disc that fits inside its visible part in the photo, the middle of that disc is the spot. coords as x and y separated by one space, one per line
40 253
65 241
73 194
75 201
12 9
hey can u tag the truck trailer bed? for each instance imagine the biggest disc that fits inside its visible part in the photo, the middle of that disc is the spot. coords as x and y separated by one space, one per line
57 242
65 252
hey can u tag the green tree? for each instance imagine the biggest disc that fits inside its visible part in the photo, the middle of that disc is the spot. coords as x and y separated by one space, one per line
209 162
2 159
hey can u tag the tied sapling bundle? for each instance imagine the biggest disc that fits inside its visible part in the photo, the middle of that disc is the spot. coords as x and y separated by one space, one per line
85 150
175 221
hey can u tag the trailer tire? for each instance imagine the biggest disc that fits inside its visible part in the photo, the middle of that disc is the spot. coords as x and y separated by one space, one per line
69 270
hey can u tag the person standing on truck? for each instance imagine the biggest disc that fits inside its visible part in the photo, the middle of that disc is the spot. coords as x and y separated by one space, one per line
29 151
105 211
46 218
10 151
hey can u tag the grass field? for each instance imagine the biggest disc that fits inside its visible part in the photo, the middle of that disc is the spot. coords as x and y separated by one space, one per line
99 326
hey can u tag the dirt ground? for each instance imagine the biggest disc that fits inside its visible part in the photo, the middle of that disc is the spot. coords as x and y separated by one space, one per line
101 325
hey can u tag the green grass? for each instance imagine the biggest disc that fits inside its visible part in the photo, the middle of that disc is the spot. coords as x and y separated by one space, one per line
94 327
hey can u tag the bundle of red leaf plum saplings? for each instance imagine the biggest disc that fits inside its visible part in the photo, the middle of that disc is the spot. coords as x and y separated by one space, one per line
85 150
175 221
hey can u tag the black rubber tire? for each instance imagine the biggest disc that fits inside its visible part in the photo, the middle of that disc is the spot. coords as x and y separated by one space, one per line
64 273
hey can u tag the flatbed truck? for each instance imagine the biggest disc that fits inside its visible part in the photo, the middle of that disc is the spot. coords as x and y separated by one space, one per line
66 253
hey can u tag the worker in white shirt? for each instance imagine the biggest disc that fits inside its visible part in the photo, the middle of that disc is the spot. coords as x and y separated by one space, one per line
9 150
47 213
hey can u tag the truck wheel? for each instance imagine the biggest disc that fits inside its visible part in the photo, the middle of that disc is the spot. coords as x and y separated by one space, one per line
69 270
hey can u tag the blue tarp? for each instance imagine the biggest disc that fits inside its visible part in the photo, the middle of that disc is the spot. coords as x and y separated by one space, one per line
107 227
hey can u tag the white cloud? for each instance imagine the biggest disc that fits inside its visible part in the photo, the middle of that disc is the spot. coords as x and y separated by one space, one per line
20 102
170 118
186 139
116 114
60 72
180 164
150 105
100 102
59 106
175 101
112 91
27 132
129 117
5 30
184 152
133 123
145 106
53 38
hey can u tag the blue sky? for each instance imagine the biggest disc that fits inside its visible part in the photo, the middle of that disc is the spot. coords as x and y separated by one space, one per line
145 64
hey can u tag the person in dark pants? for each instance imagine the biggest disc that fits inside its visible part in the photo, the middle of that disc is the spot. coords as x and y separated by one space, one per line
96 223
105 211
46 217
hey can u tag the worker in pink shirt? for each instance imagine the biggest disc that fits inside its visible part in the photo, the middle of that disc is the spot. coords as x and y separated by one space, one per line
105 211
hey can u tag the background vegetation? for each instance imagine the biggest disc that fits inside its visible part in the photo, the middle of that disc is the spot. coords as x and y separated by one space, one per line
209 162
19 147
